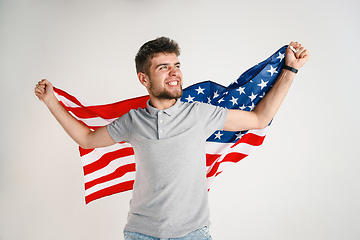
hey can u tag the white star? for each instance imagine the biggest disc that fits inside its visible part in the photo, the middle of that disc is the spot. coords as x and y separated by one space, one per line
216 94
241 90
262 84
190 98
262 95
272 70
233 100
242 107
239 135
200 90
253 96
209 100
221 100
218 135
252 106
281 56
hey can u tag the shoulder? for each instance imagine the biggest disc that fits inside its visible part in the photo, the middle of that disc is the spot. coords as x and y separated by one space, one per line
137 112
193 104
202 108
201 105
190 106
131 115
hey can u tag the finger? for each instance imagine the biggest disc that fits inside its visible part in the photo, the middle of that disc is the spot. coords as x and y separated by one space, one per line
39 91
38 95
294 44
304 54
43 82
293 49
41 88
300 50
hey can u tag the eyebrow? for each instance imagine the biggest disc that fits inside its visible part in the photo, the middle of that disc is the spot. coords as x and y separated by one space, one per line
166 64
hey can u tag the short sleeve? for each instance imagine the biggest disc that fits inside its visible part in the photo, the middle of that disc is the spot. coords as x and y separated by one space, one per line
119 129
213 117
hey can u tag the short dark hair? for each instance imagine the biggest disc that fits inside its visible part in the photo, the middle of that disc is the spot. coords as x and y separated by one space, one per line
150 49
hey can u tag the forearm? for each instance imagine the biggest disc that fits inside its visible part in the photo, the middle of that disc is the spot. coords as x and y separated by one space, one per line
75 129
270 104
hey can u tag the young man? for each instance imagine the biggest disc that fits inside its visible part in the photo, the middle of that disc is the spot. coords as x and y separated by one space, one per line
170 197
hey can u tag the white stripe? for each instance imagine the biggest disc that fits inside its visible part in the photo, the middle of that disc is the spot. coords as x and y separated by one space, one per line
223 166
96 121
209 181
225 148
243 148
260 132
110 168
127 177
97 153
217 148
66 101
72 104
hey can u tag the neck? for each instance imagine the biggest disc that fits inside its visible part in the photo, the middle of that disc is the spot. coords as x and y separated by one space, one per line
162 104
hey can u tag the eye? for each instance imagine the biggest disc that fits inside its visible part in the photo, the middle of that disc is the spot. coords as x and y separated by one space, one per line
164 67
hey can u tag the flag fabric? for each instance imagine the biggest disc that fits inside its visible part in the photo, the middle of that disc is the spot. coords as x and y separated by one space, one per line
112 169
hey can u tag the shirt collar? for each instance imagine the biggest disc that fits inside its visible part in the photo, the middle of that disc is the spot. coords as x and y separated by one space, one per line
168 111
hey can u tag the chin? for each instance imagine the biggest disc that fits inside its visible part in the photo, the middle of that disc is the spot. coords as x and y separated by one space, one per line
168 95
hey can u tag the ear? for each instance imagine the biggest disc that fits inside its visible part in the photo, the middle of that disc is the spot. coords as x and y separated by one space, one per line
143 78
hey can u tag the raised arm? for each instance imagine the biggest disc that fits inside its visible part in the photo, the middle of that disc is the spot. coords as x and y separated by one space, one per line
260 117
80 133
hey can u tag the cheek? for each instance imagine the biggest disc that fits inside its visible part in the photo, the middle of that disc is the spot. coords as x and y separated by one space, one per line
155 83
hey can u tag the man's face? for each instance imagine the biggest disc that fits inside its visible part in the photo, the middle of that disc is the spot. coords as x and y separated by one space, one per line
165 77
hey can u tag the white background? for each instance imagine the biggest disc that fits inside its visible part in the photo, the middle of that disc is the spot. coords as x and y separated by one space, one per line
303 183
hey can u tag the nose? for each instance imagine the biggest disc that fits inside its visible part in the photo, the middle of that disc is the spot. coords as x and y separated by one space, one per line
173 71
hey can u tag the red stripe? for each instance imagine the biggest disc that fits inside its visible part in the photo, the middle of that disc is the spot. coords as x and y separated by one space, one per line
234 157
251 139
107 111
82 112
119 172
211 158
118 109
106 159
231 157
110 111
121 187
84 151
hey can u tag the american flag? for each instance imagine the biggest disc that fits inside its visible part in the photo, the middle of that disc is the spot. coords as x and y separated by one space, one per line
112 169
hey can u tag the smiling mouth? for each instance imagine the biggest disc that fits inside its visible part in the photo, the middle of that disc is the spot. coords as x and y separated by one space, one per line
172 83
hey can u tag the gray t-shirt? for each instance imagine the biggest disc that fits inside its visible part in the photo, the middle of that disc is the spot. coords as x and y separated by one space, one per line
170 197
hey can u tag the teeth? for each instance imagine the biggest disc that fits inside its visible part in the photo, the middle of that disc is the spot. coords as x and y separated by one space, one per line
173 83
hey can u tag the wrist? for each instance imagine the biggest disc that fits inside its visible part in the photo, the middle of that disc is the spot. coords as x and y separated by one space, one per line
50 101
289 68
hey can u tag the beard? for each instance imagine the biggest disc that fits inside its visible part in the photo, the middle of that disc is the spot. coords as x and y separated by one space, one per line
165 94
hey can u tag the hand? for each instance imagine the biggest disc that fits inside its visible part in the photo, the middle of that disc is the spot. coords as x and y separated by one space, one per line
44 91
298 59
